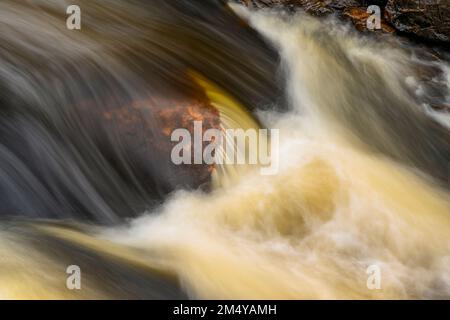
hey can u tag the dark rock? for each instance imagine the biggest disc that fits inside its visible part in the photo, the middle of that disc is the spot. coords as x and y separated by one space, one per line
428 19
313 7
441 107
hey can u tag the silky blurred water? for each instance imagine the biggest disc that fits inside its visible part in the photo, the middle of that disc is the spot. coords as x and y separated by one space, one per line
363 175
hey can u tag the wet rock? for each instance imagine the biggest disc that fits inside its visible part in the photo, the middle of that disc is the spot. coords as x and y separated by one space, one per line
427 19
313 7
441 107
144 128
359 18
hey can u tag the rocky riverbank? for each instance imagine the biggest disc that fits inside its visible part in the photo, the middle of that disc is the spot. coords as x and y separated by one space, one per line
428 20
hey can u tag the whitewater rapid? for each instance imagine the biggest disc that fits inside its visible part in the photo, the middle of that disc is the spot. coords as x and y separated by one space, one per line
337 206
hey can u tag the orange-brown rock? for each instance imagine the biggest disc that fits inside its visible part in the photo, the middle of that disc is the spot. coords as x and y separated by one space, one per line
359 17
145 128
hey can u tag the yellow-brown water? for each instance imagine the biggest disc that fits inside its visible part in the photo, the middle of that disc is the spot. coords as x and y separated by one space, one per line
351 192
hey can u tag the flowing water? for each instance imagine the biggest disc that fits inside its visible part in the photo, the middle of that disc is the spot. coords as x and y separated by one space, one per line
364 163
